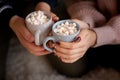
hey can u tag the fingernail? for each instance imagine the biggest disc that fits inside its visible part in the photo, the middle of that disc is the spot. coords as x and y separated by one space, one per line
58 43
77 39
54 51
55 54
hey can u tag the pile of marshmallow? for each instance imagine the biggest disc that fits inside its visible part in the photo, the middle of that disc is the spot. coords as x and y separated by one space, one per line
37 17
66 28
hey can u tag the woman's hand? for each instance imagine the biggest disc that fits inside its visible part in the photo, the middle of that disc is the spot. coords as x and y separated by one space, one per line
17 24
70 52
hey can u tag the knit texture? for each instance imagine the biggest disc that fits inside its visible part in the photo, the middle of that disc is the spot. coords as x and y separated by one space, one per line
102 18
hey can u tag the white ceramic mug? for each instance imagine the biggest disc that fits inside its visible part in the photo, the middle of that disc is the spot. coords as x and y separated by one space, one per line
59 37
39 31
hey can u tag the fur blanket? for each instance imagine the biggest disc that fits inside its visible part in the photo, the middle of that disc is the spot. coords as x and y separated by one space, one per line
21 65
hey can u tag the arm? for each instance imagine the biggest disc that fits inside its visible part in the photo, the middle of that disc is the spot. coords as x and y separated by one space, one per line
109 34
86 11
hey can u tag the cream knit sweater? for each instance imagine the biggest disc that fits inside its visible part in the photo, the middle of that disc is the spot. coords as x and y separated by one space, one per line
101 15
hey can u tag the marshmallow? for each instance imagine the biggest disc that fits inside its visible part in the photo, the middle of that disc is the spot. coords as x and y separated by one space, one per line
37 17
66 28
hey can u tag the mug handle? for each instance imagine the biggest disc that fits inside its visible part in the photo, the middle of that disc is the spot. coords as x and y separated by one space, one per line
37 37
45 43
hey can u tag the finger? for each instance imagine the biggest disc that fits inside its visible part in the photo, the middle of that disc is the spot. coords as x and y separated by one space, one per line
54 17
41 53
70 56
69 45
50 34
26 34
30 46
70 60
66 51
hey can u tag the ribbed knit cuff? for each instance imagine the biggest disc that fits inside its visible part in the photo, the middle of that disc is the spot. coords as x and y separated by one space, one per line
5 16
105 35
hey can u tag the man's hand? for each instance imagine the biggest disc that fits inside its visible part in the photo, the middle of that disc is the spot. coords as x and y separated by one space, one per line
18 25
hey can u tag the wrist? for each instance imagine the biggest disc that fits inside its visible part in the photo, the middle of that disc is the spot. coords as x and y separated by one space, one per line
94 38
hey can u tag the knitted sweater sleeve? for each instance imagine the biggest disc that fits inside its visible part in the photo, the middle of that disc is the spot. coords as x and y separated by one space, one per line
110 33
86 11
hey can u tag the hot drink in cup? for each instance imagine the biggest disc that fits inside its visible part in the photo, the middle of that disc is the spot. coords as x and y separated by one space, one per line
64 30
39 24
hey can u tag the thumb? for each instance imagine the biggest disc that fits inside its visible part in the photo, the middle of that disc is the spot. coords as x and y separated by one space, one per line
54 17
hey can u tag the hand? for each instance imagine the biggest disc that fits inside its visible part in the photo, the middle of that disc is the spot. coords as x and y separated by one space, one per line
45 7
17 24
70 52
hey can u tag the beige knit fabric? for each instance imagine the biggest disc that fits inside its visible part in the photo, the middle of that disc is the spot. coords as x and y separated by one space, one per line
96 14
